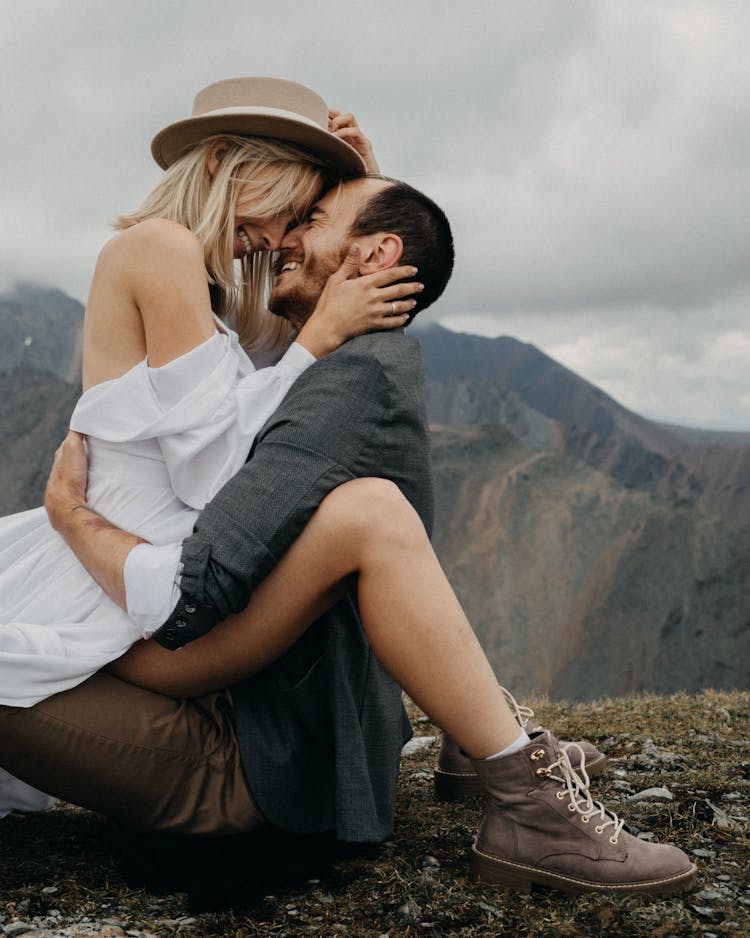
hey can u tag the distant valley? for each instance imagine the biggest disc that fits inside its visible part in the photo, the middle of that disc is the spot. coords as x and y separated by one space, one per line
596 552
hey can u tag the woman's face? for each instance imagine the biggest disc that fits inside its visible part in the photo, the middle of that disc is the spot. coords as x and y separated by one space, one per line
259 234
252 233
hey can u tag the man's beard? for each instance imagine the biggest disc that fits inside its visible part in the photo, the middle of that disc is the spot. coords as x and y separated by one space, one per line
298 301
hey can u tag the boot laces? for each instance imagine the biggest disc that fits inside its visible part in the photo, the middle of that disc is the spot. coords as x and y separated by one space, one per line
577 787
521 713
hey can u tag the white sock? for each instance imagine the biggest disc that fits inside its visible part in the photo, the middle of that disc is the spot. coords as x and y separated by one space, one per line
522 741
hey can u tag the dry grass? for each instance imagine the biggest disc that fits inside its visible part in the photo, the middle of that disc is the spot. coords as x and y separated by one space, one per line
415 884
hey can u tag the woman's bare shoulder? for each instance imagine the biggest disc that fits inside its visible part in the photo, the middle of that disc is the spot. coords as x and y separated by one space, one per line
150 290
153 241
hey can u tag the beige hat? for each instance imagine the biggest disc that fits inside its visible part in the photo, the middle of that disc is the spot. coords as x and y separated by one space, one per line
259 107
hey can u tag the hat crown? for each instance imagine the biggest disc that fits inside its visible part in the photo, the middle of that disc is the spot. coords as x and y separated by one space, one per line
241 93
260 107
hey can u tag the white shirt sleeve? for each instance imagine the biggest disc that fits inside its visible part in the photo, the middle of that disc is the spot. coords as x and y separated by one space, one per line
152 584
227 410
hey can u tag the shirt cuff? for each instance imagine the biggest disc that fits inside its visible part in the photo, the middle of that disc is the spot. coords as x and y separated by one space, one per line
295 360
152 584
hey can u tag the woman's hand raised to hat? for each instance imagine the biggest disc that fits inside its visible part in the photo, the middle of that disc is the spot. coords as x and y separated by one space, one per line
346 128
351 305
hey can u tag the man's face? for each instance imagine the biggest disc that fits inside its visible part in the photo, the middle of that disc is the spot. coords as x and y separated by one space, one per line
315 249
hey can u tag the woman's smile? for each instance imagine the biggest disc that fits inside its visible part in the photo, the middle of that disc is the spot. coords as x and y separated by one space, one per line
243 243
259 234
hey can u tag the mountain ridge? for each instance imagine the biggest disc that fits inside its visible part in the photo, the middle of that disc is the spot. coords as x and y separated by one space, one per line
471 376
543 383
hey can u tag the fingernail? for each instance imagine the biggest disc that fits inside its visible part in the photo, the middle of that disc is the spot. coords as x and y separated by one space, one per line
420 286
413 303
354 249
414 270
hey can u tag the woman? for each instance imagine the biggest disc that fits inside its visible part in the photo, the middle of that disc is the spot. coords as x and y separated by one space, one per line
171 402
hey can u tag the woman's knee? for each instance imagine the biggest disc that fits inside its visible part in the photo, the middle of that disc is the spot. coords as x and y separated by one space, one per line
373 507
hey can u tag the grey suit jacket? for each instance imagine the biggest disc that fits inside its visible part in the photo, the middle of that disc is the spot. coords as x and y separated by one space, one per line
321 730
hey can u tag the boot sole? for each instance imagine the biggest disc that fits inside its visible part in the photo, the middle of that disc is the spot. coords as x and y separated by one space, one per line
484 868
455 786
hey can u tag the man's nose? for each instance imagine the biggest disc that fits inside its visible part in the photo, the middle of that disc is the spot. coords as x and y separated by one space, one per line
290 239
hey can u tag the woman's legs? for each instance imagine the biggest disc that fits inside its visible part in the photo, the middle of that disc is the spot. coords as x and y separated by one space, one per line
365 535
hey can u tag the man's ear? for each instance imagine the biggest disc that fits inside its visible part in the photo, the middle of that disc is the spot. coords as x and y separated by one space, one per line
379 252
215 155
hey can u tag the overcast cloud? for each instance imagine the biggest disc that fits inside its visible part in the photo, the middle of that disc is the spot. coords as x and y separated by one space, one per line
593 158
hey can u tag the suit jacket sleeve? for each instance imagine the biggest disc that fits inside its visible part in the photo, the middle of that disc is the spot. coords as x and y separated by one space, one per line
329 429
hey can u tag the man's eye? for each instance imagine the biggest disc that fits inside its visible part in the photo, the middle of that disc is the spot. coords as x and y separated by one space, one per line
296 223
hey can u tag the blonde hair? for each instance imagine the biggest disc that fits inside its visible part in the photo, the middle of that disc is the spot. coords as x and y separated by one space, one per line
277 177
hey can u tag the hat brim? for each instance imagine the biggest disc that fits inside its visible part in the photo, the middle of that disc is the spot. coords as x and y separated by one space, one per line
171 142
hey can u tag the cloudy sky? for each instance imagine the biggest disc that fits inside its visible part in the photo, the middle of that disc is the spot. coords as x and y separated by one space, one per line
594 157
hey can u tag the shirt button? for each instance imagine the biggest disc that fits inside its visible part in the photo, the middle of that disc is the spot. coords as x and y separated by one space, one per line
171 635
190 608
180 623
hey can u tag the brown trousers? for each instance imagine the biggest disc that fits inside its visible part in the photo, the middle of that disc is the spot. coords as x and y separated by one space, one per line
142 758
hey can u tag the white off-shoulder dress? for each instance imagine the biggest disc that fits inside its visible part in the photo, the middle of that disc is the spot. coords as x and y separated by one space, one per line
161 442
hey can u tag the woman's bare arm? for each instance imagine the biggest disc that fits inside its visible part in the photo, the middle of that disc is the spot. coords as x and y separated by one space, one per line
149 298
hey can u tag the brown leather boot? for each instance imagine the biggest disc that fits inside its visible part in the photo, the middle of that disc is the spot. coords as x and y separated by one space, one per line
456 780
542 827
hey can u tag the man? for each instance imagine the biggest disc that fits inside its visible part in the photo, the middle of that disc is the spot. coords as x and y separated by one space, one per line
316 736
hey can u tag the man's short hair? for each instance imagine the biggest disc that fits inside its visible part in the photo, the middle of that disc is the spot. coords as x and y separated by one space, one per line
423 228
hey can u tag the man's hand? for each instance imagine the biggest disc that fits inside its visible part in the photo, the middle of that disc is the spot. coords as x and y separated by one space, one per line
352 304
66 486
101 547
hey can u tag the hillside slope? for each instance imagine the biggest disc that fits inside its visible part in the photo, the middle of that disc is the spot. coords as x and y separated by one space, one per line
578 586
35 409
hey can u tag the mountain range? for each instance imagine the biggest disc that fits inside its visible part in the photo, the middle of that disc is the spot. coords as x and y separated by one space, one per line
596 552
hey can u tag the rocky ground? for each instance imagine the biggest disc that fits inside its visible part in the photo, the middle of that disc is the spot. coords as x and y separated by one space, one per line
679 770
